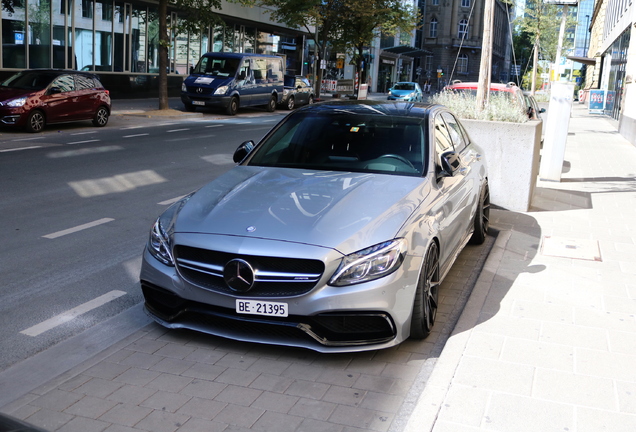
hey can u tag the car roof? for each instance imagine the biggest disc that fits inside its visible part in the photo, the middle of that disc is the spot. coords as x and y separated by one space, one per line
509 87
373 107
60 72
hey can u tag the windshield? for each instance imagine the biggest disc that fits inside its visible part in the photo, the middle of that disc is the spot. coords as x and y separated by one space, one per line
404 86
217 66
30 80
341 141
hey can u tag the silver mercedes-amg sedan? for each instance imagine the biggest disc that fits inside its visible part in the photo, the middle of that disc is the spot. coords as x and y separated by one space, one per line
332 233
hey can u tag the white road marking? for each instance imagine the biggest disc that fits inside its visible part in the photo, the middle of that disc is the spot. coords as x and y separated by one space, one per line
82 133
216 125
137 135
82 142
67 316
178 130
18 149
78 228
28 139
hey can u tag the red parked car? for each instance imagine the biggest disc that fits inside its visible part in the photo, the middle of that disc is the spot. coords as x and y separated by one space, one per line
33 98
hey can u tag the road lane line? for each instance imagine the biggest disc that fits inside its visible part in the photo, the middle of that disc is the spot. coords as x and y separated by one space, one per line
18 149
28 139
136 135
67 316
82 142
177 130
217 125
78 228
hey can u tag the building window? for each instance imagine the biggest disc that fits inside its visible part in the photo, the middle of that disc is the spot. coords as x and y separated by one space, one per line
462 64
463 29
87 8
435 2
432 31
465 3
107 10
428 64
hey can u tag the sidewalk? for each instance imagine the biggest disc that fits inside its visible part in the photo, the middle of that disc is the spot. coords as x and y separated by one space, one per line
546 342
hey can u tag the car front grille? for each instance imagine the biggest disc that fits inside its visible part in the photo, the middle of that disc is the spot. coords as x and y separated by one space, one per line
327 329
200 90
274 276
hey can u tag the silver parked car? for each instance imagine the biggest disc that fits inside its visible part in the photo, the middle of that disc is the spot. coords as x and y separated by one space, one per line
332 233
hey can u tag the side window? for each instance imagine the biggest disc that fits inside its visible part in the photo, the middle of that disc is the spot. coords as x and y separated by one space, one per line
455 131
259 70
64 82
244 72
443 141
83 82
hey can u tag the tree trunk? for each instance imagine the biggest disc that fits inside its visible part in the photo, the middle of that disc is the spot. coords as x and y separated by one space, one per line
163 54
535 64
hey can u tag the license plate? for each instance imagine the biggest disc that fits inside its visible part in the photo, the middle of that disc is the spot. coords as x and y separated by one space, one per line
198 103
257 307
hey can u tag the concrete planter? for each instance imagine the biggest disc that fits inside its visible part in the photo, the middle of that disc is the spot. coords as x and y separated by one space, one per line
512 154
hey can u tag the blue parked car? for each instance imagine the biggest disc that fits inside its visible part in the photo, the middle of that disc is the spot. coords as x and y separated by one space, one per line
406 92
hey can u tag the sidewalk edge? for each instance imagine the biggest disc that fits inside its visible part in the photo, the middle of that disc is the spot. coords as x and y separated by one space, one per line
430 401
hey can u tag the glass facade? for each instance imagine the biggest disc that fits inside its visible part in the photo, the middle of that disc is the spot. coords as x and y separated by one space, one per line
114 36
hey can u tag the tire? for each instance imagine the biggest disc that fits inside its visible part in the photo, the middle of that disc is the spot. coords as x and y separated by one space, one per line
233 106
482 216
188 107
101 117
271 106
426 295
291 103
35 121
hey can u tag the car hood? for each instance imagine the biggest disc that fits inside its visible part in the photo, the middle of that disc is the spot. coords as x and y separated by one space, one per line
340 210
207 81
402 92
8 93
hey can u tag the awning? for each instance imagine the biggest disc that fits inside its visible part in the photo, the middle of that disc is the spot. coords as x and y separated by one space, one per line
584 60
407 50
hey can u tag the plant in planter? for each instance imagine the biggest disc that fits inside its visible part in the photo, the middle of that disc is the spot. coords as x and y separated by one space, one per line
510 141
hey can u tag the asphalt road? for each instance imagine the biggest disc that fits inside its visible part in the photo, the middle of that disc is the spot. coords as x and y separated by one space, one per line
76 206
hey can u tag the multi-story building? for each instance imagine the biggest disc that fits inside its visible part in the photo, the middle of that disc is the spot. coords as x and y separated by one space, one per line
119 40
452 31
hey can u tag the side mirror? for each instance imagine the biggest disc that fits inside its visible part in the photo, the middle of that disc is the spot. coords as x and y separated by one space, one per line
242 151
191 70
450 163
542 110
55 90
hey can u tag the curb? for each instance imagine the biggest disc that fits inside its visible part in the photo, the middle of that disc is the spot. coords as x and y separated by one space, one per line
430 402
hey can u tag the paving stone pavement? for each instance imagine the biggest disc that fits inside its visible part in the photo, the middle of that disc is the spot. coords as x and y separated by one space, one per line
165 380
547 341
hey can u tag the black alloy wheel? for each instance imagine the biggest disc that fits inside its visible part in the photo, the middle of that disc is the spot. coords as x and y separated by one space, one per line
426 295
482 216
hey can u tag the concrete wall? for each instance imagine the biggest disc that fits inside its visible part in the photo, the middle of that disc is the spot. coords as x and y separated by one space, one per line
512 155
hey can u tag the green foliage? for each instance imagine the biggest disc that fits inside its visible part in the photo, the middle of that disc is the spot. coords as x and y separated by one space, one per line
464 105
195 15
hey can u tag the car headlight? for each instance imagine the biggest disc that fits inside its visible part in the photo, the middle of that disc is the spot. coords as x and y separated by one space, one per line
370 263
183 87
221 90
16 102
160 240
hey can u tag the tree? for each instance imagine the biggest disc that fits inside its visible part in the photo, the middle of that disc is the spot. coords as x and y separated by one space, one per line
195 16
361 21
542 21
349 25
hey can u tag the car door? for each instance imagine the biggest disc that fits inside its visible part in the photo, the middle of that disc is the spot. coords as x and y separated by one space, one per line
451 191
245 83
302 92
60 99
87 97
470 181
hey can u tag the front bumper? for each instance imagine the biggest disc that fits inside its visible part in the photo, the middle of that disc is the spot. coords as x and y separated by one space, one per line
209 101
366 316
